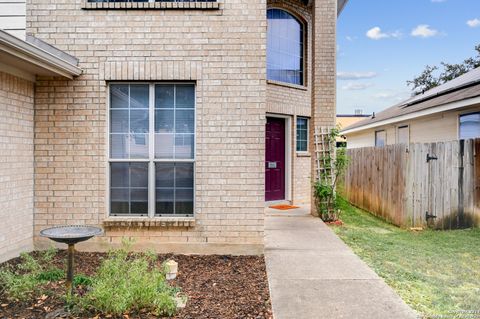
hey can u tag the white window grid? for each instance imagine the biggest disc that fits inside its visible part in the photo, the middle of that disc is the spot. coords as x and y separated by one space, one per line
151 160
308 130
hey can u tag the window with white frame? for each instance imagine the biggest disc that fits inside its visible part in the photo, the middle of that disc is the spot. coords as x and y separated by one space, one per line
469 126
403 134
152 149
380 138
285 47
302 134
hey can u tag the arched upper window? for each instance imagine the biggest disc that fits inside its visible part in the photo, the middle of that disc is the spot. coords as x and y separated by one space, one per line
284 47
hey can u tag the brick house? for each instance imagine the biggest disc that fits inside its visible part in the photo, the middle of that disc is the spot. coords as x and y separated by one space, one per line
172 122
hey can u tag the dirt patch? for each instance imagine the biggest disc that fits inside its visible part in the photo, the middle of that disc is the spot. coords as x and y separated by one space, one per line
216 286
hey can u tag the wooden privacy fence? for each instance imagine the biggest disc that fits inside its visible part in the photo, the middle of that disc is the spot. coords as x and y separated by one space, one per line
434 184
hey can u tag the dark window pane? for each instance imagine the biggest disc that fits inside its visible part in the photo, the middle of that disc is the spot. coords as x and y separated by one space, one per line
303 146
284 47
164 96
139 96
139 208
139 175
184 175
174 188
128 188
119 96
119 194
119 175
184 201
302 134
139 201
164 201
185 96
139 194
119 208
164 175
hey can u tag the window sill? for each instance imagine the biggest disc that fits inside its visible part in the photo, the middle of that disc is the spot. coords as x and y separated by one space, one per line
289 85
132 222
303 154
150 5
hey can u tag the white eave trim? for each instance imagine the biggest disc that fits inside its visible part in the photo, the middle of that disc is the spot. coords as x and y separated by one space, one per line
406 117
34 55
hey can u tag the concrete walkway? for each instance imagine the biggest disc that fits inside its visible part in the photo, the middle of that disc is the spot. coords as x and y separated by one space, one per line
313 274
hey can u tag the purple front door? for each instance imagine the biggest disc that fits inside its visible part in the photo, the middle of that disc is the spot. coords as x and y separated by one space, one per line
275 159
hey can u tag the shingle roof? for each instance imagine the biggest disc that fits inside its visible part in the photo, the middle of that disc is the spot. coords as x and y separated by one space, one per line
340 5
461 88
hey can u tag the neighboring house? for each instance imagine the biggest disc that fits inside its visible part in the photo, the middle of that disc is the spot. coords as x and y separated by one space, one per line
345 120
12 17
445 113
187 117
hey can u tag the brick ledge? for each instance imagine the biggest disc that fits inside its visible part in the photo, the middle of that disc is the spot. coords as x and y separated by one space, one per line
288 85
150 5
184 222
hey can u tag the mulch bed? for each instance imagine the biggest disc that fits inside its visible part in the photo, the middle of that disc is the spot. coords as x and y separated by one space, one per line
216 286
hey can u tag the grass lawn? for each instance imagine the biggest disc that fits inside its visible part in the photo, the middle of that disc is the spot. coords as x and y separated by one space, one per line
435 272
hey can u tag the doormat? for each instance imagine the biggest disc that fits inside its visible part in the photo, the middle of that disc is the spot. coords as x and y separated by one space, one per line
283 207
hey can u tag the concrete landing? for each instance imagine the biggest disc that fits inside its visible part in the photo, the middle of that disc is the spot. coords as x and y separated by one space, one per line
313 274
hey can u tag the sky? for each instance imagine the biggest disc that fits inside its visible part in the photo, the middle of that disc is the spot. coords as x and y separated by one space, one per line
382 44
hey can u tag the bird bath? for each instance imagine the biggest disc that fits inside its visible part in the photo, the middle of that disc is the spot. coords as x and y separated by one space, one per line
70 235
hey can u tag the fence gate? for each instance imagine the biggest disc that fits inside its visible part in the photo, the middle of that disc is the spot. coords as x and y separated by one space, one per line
434 184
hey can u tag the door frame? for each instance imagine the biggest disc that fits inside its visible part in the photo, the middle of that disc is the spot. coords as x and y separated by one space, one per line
288 153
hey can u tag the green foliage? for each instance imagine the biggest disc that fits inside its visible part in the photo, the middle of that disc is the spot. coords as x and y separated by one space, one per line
30 277
16 286
129 281
435 272
82 280
54 274
430 78
324 189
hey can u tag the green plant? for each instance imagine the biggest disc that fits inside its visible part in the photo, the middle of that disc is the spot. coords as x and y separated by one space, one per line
30 277
82 280
325 186
54 274
129 281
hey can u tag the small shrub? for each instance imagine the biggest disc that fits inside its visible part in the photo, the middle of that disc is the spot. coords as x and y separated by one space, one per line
30 277
54 274
82 280
129 282
16 286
